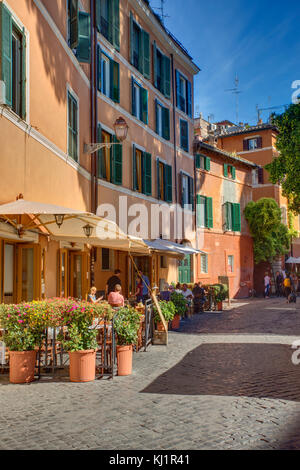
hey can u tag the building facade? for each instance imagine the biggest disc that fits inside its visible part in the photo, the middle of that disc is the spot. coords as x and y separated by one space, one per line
223 189
68 70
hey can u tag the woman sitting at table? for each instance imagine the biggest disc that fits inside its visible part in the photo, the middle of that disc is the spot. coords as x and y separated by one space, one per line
92 296
115 298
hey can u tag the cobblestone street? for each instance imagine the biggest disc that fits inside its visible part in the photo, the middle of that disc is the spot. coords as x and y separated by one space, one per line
225 381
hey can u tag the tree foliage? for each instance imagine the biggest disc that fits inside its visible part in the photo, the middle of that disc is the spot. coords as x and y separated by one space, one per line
285 168
270 236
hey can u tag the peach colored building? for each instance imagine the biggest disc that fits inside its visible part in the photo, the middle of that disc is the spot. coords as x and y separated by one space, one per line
223 189
68 70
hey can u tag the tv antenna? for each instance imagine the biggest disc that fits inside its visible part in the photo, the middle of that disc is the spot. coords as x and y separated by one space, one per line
235 91
162 11
270 108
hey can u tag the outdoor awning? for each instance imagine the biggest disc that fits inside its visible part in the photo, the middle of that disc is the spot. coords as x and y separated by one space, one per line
292 260
104 232
169 247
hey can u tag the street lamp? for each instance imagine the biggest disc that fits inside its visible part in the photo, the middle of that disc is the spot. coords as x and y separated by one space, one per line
59 218
121 130
88 229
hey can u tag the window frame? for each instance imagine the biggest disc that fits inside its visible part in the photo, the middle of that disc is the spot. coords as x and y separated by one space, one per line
205 256
188 140
75 99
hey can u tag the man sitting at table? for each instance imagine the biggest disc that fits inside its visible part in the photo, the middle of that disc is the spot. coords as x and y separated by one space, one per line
115 298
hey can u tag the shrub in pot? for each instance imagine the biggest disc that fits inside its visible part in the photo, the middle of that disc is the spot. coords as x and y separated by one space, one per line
220 294
22 335
180 303
126 325
168 311
80 341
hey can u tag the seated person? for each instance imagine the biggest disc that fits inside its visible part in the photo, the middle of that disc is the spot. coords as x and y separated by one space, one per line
92 296
166 293
115 298
199 297
178 288
187 293
139 290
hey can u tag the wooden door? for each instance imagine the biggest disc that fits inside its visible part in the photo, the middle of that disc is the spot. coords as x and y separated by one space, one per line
63 288
29 272
79 274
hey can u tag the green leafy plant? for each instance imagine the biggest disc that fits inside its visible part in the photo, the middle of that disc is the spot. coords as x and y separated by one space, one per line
126 325
180 303
167 309
220 292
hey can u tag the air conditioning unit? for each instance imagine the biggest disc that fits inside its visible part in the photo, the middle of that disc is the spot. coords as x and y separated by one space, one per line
2 93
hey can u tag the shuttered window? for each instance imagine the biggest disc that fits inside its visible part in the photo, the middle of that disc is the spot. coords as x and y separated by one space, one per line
110 160
139 48
229 171
232 217
139 101
184 94
141 171
162 116
72 126
186 190
204 211
79 32
162 71
202 162
204 263
164 181
184 135
108 76
108 20
13 62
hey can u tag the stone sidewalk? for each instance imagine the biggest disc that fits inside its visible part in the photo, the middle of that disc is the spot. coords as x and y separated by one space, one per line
225 381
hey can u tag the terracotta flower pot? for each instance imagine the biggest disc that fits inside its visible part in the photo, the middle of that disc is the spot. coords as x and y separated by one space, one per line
160 326
220 306
124 359
82 365
176 322
21 366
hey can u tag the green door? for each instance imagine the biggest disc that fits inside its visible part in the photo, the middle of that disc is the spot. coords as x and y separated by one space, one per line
184 270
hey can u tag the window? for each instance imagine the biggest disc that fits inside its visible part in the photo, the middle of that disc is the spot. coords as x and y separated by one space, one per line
184 135
110 161
162 120
79 32
183 94
252 144
73 131
108 76
258 176
187 190
142 171
107 259
232 217
108 20
204 263
204 212
231 263
164 181
229 171
13 62
139 101
162 71
202 162
139 48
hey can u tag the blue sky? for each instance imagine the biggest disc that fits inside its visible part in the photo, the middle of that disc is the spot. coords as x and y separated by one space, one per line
257 39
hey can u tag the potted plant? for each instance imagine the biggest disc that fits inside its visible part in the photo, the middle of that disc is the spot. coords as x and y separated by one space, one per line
22 335
80 341
126 325
180 308
220 294
168 311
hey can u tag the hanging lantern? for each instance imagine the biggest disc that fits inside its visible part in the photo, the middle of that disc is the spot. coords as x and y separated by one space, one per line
121 129
88 229
59 218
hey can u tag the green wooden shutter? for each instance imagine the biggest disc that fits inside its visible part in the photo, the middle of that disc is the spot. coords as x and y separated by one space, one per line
99 67
74 24
83 52
198 160
156 116
207 163
177 88
191 192
133 100
116 24
144 105
23 105
6 52
233 172
198 210
236 217
98 15
167 76
131 38
166 123
226 170
189 104
184 135
209 212
155 64
117 162
168 183
147 173
114 81
158 178
134 173
100 155
227 216
146 54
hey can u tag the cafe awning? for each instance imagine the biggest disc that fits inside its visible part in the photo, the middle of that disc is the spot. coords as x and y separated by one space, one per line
172 248
293 260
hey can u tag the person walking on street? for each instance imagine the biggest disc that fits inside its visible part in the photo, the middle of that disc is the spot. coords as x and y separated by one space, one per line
267 283
146 287
279 284
287 287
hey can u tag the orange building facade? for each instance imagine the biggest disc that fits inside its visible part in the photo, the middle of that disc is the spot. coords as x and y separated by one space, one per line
223 189
68 70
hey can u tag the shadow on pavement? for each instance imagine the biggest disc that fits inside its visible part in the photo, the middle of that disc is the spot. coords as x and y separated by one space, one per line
252 370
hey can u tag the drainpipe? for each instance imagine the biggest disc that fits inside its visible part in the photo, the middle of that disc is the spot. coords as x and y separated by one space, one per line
174 134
